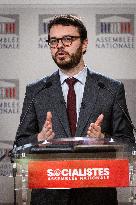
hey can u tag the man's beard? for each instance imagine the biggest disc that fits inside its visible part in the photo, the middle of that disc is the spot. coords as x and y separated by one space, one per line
72 62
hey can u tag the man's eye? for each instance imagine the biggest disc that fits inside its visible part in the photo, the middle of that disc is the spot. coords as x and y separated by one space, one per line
53 40
67 38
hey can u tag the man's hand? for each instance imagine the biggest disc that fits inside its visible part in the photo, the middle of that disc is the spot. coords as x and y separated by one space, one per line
94 129
47 132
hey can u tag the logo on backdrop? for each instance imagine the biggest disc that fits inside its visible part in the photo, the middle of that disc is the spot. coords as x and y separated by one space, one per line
9 96
115 31
9 31
43 29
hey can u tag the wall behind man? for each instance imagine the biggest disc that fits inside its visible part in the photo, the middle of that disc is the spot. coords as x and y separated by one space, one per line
25 56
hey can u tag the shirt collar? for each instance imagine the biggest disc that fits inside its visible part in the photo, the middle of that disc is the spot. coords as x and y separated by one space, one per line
81 76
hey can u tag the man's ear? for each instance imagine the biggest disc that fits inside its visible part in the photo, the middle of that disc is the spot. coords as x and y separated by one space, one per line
84 45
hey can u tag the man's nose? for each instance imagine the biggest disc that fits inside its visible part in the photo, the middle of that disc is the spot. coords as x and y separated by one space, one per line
60 44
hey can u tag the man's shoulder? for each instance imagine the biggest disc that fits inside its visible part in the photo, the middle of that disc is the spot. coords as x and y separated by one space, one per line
37 82
105 80
44 81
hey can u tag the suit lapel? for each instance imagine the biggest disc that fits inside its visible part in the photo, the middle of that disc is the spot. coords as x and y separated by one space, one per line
59 104
88 103
90 95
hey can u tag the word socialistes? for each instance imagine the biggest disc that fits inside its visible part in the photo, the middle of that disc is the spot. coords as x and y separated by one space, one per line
85 172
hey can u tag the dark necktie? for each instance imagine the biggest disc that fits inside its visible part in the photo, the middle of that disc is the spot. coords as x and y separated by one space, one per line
71 105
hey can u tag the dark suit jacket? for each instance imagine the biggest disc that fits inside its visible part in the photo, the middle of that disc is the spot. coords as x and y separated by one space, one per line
46 95
97 99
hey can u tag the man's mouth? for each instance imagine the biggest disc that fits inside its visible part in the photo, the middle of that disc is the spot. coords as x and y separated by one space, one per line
61 54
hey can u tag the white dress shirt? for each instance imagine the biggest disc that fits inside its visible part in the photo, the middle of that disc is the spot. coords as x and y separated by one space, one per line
79 87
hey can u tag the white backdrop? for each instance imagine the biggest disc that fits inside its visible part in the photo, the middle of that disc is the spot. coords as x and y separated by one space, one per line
28 62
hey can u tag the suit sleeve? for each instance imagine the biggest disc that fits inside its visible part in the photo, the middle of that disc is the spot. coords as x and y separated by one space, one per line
28 127
122 128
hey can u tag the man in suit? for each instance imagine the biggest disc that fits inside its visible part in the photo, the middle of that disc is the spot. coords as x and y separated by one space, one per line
45 110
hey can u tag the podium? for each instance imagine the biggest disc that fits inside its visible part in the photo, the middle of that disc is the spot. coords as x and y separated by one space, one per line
75 163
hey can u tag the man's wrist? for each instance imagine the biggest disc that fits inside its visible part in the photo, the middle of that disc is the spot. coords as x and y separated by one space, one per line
40 137
102 135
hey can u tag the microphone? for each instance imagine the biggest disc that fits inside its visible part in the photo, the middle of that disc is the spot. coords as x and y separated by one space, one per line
13 152
62 102
102 85
47 85
83 105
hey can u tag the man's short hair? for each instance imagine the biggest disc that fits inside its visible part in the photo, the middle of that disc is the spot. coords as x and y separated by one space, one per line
68 20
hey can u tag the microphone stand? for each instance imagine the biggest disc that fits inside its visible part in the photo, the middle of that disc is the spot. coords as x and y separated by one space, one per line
3 156
15 153
14 181
12 155
14 171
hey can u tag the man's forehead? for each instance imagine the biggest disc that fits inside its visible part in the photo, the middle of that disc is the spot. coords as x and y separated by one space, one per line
61 30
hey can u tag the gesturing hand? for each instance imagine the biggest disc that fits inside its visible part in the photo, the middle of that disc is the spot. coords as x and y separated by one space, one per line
94 129
47 132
